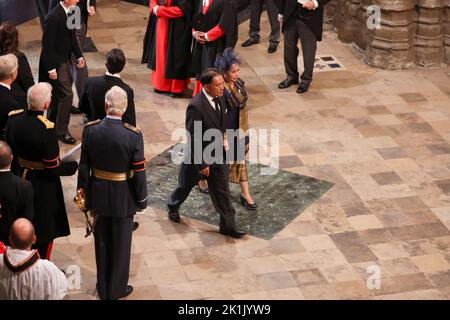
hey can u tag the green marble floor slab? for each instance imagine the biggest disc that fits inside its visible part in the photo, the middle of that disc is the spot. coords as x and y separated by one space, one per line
281 197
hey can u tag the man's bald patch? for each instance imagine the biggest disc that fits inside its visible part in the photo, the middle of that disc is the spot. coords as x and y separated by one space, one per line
21 234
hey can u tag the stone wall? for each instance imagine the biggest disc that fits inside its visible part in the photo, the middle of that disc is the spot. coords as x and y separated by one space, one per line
413 32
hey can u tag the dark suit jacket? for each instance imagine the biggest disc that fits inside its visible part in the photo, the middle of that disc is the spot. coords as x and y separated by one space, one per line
110 145
7 104
199 109
16 201
92 101
288 8
24 80
83 7
58 43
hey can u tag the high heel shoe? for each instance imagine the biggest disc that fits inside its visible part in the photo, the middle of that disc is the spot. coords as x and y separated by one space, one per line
206 190
248 206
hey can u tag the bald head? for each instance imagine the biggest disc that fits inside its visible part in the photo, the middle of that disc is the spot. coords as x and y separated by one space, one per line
5 156
39 96
21 234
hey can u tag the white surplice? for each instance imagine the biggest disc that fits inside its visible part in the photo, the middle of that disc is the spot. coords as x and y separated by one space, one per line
42 281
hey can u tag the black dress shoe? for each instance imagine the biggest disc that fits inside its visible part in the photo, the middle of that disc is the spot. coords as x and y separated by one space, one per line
174 216
303 87
249 42
287 83
272 47
232 232
249 206
135 225
67 138
75 110
128 291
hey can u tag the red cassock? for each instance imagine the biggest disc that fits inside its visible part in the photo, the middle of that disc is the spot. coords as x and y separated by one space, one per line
213 34
164 13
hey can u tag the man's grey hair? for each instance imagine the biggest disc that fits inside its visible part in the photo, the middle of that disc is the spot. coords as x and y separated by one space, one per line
116 100
39 95
8 65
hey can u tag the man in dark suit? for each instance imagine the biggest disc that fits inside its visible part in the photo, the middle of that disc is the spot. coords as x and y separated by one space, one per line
8 73
92 101
256 8
112 180
16 194
42 9
59 46
207 109
35 147
301 19
87 9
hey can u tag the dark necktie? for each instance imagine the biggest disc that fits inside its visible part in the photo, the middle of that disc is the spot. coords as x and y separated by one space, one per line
71 12
217 108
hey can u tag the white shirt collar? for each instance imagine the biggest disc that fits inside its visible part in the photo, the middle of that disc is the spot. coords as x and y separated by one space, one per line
113 117
5 170
117 75
205 3
67 10
210 99
5 85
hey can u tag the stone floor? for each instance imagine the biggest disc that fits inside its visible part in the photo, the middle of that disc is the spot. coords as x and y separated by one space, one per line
282 196
381 137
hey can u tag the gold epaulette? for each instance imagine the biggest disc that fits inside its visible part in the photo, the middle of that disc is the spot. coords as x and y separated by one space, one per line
132 128
90 123
15 112
48 124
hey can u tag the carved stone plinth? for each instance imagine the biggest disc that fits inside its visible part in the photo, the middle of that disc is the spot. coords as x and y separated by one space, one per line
411 31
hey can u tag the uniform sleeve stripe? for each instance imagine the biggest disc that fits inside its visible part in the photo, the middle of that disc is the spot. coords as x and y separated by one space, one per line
139 170
57 158
136 163
51 167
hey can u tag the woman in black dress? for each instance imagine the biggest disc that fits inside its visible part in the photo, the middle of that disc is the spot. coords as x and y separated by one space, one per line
9 43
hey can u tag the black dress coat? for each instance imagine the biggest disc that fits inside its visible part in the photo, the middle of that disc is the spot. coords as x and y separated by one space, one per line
58 43
7 104
92 101
24 80
82 5
313 18
200 110
16 201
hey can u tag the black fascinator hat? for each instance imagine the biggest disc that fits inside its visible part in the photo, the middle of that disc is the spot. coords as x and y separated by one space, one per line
226 60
